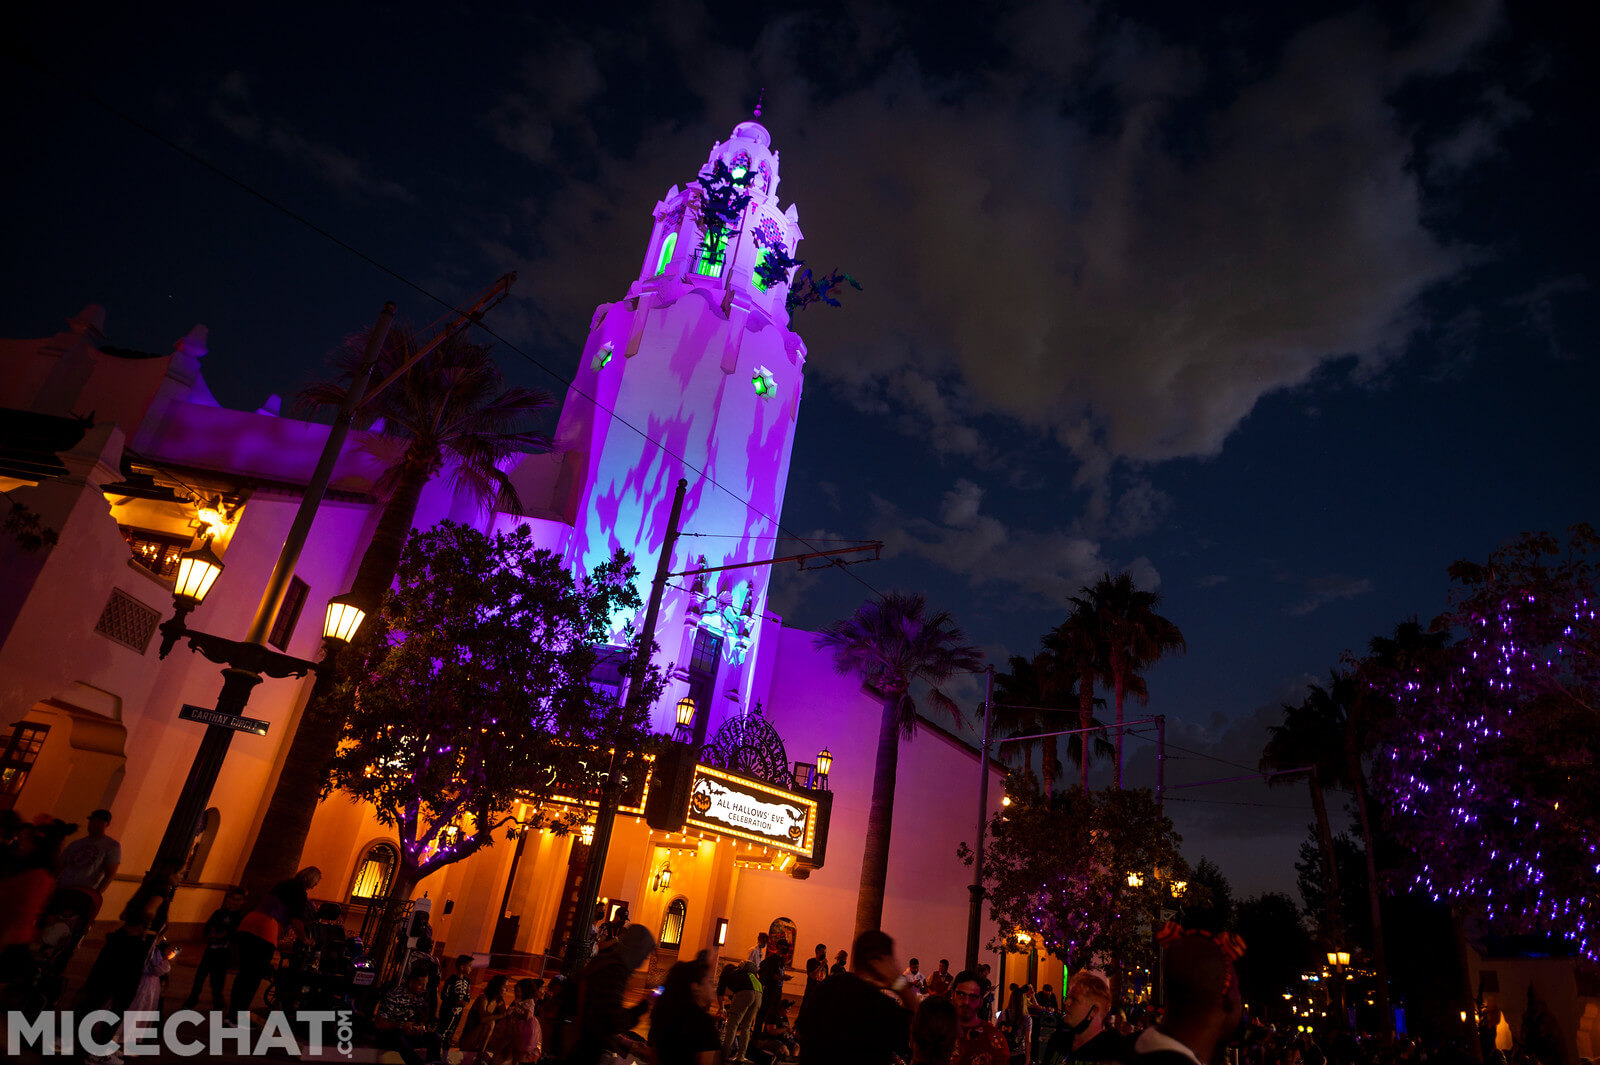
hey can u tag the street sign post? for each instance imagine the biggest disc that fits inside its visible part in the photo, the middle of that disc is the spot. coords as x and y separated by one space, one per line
216 717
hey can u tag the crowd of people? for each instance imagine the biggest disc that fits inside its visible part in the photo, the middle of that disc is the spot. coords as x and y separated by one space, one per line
857 1007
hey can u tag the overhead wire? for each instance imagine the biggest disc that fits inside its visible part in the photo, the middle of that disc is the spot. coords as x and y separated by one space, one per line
421 290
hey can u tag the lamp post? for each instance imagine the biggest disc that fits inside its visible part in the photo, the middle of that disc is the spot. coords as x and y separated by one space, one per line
824 767
685 718
1339 961
246 661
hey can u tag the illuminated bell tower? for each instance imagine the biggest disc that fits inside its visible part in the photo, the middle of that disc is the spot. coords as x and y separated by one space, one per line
696 374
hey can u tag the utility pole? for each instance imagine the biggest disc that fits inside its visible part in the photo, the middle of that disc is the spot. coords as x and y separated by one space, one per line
975 903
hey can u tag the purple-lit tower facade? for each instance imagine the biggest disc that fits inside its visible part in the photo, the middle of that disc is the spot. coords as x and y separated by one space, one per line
696 374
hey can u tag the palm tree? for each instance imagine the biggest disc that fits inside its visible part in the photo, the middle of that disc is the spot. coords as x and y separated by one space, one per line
1077 648
451 412
891 645
1135 635
1313 734
1030 698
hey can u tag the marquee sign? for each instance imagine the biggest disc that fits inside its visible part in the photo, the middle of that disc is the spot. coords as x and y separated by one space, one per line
751 810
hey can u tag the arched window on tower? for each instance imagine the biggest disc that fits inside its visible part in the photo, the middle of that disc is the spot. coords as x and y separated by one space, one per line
672 922
755 271
375 873
668 246
741 165
713 250
765 180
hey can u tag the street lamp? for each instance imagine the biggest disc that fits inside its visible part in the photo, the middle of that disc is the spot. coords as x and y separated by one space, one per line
197 572
1136 880
344 617
685 717
824 767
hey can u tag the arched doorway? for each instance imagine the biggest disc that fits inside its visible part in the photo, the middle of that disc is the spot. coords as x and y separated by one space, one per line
672 923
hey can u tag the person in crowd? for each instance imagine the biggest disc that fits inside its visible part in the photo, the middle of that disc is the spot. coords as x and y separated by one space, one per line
1019 1023
114 978
455 993
682 1030
404 1022
601 1017
758 953
934 1030
777 1039
850 1020
916 977
1085 1033
1047 999
280 911
987 987
978 1041
482 1018
29 880
816 968
518 1038
773 973
218 934
739 1019
88 864
838 968
1203 1008
147 995
941 980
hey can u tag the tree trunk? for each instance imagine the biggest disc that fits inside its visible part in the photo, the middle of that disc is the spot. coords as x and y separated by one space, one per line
1330 866
880 821
1047 769
1379 964
1085 720
284 827
1121 685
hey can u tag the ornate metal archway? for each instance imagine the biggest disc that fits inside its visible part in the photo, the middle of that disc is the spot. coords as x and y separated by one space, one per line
750 745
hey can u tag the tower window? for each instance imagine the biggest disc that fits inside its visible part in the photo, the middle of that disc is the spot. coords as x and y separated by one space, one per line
741 165
603 356
712 252
755 275
668 246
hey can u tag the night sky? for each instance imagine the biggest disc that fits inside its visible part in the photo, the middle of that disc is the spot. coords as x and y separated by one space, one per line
1281 307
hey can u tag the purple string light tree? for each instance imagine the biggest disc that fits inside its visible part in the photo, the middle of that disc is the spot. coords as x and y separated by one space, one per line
1488 770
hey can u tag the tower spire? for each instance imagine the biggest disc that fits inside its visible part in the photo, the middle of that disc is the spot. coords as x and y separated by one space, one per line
761 96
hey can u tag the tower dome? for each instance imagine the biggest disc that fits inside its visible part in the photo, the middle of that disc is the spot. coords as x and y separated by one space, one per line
752 131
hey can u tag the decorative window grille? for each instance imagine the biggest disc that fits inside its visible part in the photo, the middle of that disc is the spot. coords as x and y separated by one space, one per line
18 752
128 621
294 600
376 873
712 252
672 923
156 552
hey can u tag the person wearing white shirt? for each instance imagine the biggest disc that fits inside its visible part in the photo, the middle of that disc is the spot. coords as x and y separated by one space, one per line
759 951
916 977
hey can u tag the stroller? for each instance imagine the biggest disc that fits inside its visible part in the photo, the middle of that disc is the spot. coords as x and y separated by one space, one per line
322 970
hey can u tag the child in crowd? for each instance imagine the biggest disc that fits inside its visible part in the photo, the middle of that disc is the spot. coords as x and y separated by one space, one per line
218 933
454 994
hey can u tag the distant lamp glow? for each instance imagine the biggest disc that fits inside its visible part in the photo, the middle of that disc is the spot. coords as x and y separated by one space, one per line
1024 938
1005 800
197 572
1179 887
449 834
1136 880
1344 957
344 618
686 711
1463 1016
213 519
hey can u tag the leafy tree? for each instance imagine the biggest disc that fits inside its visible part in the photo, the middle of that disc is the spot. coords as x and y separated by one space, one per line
1488 772
453 414
1351 913
1058 869
1280 949
806 289
893 644
25 526
476 690
1208 903
1135 637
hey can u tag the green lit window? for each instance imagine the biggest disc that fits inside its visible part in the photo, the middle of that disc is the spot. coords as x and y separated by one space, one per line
668 246
603 356
761 258
712 252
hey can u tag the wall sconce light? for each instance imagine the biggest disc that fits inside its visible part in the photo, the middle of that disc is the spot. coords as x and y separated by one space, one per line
663 878
586 833
449 835
722 931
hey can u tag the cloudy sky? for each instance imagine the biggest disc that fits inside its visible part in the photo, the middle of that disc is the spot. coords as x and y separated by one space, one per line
1280 307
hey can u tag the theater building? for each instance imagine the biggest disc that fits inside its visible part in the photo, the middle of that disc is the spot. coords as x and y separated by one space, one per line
130 460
